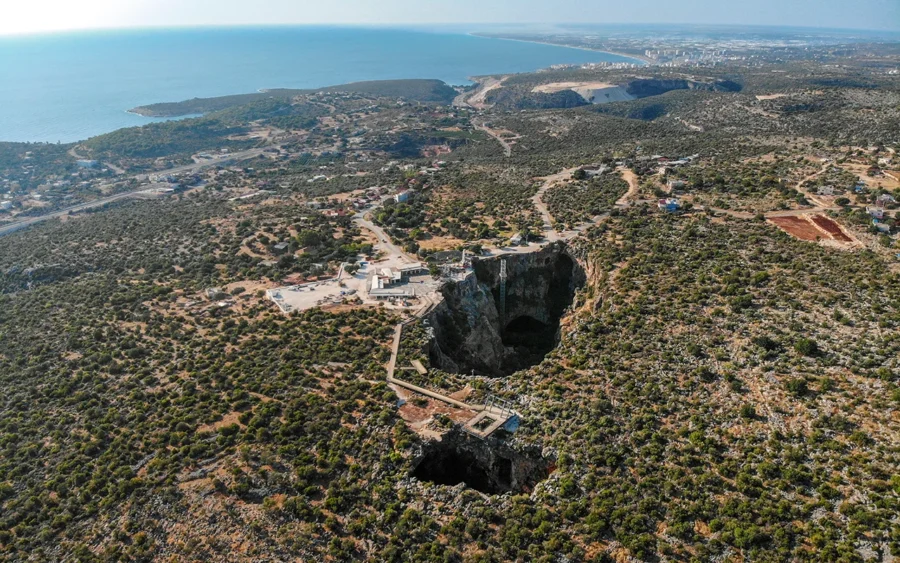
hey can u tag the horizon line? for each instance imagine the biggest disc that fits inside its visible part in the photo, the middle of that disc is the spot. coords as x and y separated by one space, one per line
400 25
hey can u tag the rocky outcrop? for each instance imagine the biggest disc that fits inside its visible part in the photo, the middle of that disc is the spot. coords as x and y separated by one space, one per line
647 87
491 467
472 333
519 98
508 98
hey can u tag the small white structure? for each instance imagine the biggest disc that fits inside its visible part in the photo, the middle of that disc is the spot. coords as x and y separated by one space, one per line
876 212
825 190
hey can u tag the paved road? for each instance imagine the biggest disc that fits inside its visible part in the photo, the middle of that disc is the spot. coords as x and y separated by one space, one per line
18 225
197 166
476 98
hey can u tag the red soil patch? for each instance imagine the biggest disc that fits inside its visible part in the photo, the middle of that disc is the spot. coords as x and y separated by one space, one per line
831 228
798 227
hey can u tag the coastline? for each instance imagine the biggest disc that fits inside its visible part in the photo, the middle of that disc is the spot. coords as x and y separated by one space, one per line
641 58
53 123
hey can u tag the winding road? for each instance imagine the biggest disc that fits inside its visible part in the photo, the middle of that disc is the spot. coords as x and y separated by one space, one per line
507 147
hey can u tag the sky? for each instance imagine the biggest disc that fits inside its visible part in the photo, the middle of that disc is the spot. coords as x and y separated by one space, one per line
34 16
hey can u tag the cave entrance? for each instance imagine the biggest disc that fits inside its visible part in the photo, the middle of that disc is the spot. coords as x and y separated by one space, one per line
532 340
487 468
493 326
452 466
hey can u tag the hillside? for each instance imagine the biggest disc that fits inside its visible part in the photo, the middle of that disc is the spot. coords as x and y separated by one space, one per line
655 330
426 91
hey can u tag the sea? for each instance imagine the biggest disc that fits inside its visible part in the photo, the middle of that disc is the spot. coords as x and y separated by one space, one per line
68 87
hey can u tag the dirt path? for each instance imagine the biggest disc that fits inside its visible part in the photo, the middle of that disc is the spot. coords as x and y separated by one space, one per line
807 194
550 233
629 176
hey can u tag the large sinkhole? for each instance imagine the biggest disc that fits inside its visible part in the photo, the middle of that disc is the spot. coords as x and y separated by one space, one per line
531 339
492 326
491 469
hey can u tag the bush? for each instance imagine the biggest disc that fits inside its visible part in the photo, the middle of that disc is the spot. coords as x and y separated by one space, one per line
807 347
797 387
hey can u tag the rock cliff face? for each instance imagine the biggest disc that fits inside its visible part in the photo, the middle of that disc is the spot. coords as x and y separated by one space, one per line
653 87
647 87
471 330
489 467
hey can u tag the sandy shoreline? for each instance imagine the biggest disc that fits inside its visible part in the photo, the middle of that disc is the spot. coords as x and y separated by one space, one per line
640 58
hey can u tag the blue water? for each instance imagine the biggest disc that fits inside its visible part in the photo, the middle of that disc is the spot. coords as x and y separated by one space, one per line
69 87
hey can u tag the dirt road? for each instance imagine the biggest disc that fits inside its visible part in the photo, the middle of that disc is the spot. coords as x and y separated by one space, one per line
807 194
629 176
549 232
73 152
384 241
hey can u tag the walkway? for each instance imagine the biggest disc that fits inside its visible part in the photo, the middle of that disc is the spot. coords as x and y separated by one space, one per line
498 416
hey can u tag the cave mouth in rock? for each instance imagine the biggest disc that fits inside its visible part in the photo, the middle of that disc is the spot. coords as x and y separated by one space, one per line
480 467
532 340
489 327
452 467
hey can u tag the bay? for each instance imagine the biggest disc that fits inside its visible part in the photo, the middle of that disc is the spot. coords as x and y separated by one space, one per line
68 87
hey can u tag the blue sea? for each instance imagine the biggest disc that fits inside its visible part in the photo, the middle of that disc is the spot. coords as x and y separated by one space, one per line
68 87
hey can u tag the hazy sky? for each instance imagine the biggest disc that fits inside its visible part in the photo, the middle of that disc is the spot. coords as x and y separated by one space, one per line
27 16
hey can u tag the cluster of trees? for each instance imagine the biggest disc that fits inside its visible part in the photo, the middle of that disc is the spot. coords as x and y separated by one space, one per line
31 164
580 201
